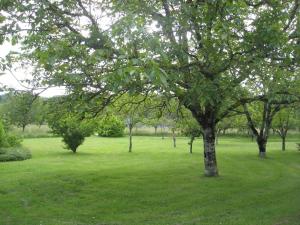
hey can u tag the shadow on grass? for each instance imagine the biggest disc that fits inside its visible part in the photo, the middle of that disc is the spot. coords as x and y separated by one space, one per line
71 154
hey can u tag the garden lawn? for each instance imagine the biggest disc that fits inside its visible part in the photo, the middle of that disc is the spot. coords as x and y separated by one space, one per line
155 184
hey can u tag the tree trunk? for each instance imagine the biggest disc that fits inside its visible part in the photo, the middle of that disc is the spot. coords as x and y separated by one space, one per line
130 139
155 130
162 133
174 138
283 143
262 143
282 132
210 160
191 144
23 128
206 118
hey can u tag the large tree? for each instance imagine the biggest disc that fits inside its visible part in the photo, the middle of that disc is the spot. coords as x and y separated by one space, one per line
191 50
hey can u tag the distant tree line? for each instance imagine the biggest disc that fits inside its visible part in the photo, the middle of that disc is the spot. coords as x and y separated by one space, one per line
68 120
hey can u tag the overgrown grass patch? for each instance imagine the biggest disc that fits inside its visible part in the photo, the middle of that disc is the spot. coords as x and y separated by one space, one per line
33 131
14 154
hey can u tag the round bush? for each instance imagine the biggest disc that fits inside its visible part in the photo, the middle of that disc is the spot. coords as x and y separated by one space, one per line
7 139
14 154
110 126
13 140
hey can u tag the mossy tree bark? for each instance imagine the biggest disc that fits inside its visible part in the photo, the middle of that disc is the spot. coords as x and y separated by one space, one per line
210 160
207 119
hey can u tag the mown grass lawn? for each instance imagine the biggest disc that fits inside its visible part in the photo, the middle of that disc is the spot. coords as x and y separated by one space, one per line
155 184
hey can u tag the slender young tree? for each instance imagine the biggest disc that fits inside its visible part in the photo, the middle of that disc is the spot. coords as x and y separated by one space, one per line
190 128
283 122
173 115
134 109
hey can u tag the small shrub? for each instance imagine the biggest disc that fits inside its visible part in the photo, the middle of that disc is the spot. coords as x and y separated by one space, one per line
2 151
72 130
8 139
2 135
14 154
73 138
110 126
13 140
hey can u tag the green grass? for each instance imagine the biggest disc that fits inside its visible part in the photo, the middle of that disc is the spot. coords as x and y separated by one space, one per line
155 184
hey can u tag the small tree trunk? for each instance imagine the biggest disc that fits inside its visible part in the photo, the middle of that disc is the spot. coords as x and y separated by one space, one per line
23 128
162 133
262 147
174 138
191 144
155 130
283 143
74 150
210 160
130 138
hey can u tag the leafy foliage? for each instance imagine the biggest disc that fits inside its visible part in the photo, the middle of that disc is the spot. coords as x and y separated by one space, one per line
65 122
10 149
110 126
72 129
191 128
2 134
19 108
8 139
